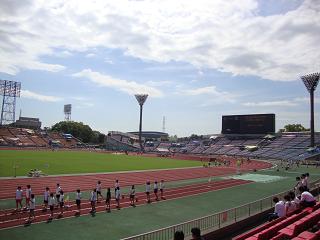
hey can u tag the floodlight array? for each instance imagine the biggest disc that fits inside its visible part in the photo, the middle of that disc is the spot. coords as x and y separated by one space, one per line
10 88
311 81
141 98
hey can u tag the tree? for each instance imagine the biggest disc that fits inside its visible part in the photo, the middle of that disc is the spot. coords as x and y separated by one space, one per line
173 138
79 130
295 128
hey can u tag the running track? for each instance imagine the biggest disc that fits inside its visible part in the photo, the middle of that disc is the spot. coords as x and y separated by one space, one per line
88 182
9 218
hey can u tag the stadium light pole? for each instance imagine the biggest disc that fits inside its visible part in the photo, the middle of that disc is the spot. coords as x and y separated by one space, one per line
141 98
311 82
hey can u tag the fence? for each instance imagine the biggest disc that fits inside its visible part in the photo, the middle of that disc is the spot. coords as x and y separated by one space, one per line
217 220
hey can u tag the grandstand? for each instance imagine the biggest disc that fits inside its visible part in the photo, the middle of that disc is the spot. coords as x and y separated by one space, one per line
281 146
22 137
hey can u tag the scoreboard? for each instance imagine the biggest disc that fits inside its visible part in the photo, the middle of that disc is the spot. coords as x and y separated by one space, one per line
248 124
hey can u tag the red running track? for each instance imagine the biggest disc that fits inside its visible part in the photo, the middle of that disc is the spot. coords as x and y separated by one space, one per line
88 182
9 218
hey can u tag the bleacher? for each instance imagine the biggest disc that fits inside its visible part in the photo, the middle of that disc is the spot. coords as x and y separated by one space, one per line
286 146
22 137
300 225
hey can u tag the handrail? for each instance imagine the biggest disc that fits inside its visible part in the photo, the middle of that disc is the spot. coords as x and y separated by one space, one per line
215 221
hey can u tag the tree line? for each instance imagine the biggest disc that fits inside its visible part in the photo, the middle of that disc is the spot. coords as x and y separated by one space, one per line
79 130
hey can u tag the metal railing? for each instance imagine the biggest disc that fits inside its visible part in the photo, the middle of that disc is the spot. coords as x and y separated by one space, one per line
217 220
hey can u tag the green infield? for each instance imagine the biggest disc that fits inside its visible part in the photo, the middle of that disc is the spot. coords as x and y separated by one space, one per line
72 162
130 221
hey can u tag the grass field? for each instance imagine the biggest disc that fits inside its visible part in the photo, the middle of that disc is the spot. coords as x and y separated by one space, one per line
130 221
71 162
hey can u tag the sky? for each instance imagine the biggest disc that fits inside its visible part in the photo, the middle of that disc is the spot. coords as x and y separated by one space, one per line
197 60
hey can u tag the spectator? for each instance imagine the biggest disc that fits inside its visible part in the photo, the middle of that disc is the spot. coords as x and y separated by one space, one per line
196 234
289 205
178 235
307 184
294 199
298 184
279 209
307 199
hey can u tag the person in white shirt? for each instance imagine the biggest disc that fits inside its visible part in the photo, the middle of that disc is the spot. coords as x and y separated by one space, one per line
46 195
162 189
19 194
51 205
307 199
99 190
118 196
28 195
155 190
148 187
116 185
132 195
61 202
58 190
93 199
279 209
32 207
78 200
290 206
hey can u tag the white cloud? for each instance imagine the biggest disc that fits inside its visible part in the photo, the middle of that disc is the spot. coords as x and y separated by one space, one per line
39 97
224 35
129 87
158 83
109 61
283 103
90 55
213 95
306 100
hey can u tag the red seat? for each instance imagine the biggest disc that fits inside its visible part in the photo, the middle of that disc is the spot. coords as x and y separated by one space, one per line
306 234
273 230
301 225
278 237
316 207
257 229
251 238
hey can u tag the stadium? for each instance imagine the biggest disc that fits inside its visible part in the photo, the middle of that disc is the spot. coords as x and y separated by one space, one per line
255 175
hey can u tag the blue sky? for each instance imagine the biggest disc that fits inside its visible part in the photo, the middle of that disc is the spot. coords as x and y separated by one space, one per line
197 60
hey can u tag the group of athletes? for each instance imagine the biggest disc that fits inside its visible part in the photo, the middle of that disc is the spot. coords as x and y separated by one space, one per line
57 199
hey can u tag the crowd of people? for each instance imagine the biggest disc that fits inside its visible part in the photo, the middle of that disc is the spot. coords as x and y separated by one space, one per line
299 197
56 199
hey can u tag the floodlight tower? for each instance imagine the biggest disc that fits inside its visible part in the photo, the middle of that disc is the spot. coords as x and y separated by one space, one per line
67 112
141 98
311 82
10 90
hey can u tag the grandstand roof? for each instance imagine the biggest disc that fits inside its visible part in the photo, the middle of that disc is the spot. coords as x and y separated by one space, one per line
151 134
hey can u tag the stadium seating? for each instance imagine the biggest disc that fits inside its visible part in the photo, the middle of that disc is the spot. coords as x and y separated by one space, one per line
21 137
293 227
